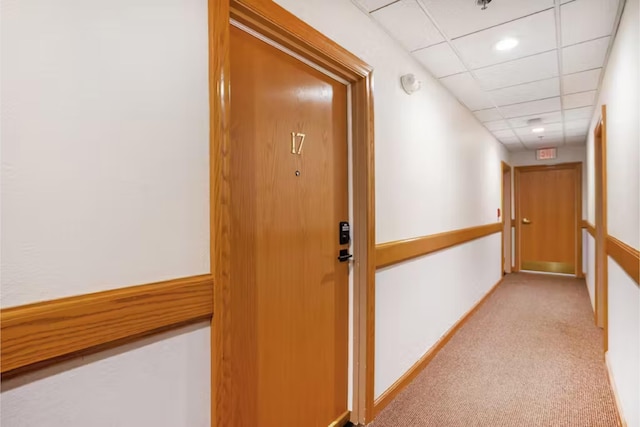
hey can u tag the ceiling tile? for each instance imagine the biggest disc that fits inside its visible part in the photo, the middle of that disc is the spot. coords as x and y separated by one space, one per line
577 100
584 20
524 70
576 140
488 115
580 82
460 17
578 113
550 140
533 107
584 56
440 59
497 125
408 24
547 118
576 132
549 129
535 33
507 133
465 88
526 92
371 5
577 126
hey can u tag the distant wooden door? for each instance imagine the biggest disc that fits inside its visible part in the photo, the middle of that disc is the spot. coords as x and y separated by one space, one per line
547 208
288 193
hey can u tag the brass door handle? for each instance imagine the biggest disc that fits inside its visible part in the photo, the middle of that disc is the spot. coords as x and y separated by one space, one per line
526 221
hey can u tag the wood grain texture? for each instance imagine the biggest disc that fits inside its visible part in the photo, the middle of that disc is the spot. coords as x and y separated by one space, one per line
219 118
281 26
269 19
591 229
627 257
534 202
402 382
289 302
601 227
394 252
38 332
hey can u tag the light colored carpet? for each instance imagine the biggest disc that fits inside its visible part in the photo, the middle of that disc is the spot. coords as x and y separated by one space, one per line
530 356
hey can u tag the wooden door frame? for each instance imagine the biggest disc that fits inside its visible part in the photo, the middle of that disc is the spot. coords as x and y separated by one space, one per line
601 257
279 25
577 167
506 222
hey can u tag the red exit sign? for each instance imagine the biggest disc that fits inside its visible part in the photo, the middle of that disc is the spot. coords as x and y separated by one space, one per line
546 154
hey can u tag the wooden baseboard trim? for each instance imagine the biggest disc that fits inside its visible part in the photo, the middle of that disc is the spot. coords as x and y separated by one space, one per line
402 250
342 420
591 229
616 397
35 333
402 382
627 257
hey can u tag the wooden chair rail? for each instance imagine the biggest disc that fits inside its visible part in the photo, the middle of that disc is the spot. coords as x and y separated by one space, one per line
38 332
394 252
627 257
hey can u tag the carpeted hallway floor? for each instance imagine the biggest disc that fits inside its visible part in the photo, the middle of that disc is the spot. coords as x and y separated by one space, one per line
530 356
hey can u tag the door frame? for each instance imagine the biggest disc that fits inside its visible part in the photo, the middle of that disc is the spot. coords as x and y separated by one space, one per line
601 257
577 168
284 28
506 222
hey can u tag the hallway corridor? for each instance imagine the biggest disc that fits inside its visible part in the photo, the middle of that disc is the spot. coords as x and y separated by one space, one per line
530 356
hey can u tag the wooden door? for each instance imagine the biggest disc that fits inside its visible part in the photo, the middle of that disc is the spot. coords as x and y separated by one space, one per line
288 193
548 206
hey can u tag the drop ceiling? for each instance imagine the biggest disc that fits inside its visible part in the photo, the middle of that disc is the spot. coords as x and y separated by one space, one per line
553 74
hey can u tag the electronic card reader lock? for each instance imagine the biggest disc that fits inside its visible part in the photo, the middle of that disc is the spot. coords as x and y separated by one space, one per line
344 237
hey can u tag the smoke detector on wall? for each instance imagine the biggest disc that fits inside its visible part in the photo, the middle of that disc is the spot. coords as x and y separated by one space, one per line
483 3
410 84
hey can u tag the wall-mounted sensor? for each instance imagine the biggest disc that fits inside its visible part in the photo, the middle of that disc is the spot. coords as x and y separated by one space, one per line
410 84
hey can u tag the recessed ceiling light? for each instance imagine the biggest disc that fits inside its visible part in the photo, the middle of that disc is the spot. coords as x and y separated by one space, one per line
506 44
537 130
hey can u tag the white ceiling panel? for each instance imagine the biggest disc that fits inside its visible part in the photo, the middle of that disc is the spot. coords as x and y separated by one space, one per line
547 118
576 140
576 100
584 20
584 56
549 129
535 34
460 17
408 23
581 82
440 59
465 88
497 125
488 115
578 113
577 126
524 82
524 70
371 5
506 134
526 92
530 108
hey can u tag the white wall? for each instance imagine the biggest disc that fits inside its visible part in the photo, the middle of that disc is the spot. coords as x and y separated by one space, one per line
105 184
420 299
437 169
620 92
624 340
158 381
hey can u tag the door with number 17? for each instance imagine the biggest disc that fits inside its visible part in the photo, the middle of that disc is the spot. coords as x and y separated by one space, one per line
288 194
